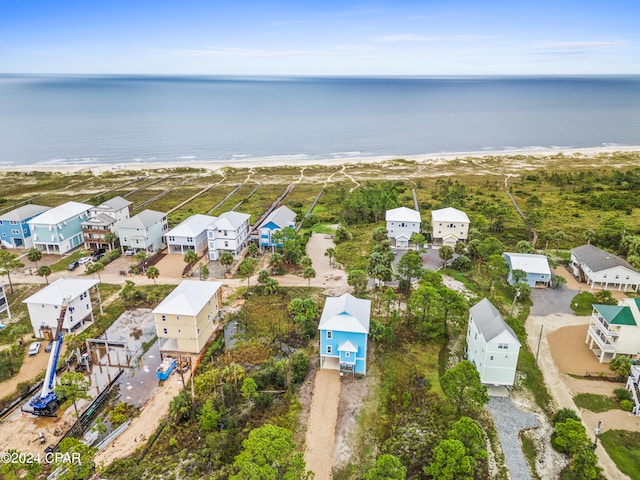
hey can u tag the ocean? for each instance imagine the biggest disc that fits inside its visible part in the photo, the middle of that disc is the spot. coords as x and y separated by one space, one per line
52 119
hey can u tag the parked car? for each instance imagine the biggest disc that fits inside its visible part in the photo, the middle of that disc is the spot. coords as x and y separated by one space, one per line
73 265
84 260
34 348
97 256
129 252
48 347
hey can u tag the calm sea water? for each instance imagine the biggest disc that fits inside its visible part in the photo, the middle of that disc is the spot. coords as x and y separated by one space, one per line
124 119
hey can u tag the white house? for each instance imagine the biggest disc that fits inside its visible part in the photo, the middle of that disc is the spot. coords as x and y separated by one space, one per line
632 386
282 217
492 345
449 226
44 306
104 218
597 267
190 234
615 330
535 266
189 316
117 208
59 230
230 233
402 222
143 231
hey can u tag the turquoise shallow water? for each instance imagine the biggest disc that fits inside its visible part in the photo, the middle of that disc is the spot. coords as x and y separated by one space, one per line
125 119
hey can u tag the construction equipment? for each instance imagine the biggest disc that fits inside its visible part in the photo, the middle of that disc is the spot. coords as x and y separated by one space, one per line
46 403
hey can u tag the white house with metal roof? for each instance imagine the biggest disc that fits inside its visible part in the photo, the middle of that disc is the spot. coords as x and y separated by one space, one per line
15 231
615 330
599 268
402 222
105 218
190 234
535 266
344 331
188 317
282 217
143 231
229 233
44 306
59 230
449 226
492 345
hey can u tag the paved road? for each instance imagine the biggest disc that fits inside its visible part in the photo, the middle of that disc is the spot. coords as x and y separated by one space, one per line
509 421
547 301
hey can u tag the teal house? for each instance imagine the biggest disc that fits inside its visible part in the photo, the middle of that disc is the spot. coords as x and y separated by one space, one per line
344 331
59 230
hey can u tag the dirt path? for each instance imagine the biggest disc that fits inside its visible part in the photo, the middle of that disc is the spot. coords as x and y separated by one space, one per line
143 426
32 366
321 425
557 383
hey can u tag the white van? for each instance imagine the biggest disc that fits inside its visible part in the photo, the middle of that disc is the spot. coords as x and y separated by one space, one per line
34 348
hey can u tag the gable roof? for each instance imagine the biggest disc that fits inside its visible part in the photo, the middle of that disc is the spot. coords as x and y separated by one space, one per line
281 216
528 262
347 347
114 204
60 213
22 213
597 259
401 214
346 314
231 220
449 214
144 219
616 314
56 292
99 219
192 226
188 298
489 321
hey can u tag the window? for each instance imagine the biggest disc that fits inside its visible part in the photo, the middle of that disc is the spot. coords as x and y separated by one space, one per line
503 346
164 318
329 349
329 334
13 222
164 330
451 225
475 336
491 357
347 354
226 244
15 232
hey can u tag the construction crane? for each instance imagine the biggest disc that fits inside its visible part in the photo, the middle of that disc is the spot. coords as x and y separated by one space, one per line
46 403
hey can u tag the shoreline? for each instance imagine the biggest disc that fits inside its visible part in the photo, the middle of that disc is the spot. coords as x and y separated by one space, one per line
294 161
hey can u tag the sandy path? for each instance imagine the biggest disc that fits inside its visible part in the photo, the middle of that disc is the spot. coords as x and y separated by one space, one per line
556 381
321 425
144 425
32 366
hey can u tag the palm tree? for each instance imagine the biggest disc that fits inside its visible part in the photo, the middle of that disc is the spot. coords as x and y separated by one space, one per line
44 271
331 253
34 255
253 249
226 259
309 273
588 235
153 273
110 238
559 235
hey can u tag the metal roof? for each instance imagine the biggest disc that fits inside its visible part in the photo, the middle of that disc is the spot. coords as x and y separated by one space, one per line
403 214
616 314
281 216
62 288
231 220
114 204
489 321
60 213
346 314
144 219
188 298
192 226
597 259
449 214
528 262
24 212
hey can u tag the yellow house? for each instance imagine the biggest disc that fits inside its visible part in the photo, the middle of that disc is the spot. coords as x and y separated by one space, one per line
188 317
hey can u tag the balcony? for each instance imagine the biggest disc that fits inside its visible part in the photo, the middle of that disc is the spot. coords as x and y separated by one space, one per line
603 326
602 341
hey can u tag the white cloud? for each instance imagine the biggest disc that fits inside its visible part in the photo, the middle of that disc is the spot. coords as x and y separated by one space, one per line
412 37
246 52
575 46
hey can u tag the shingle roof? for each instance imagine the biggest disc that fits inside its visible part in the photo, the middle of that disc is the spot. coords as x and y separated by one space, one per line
62 288
231 220
346 314
616 314
449 214
144 219
188 298
100 219
281 216
528 262
115 204
403 214
489 321
24 212
192 226
60 213
597 259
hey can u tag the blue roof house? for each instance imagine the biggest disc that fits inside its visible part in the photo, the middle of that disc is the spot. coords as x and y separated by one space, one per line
344 330
281 217
15 232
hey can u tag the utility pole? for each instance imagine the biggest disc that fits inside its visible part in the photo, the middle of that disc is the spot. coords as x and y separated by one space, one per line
538 349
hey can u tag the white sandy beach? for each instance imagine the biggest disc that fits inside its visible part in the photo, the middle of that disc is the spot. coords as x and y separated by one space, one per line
296 161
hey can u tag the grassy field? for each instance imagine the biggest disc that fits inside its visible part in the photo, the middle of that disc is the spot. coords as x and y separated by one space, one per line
624 449
595 403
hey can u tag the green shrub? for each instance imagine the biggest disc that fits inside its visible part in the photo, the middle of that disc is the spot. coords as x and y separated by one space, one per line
563 414
626 405
623 394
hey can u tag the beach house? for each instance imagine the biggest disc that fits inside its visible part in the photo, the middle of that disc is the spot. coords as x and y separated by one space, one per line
188 317
282 217
449 226
44 306
59 229
632 386
143 231
492 346
105 218
190 234
615 330
344 331
15 231
402 222
535 267
599 268
229 233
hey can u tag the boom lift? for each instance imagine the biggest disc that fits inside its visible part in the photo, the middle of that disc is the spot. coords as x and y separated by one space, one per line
46 403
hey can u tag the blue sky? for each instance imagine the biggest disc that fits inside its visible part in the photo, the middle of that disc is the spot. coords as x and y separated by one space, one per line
320 38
